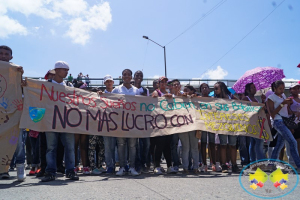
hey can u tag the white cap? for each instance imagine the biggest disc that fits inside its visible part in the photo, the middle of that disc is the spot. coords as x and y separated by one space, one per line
294 85
107 77
61 65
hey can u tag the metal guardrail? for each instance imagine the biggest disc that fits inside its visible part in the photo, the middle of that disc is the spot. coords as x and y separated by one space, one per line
148 82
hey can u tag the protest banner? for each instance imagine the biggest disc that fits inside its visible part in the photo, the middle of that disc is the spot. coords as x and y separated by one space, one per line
10 112
50 107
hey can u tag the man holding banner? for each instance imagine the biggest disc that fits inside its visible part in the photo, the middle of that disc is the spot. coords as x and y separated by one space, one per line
11 106
68 140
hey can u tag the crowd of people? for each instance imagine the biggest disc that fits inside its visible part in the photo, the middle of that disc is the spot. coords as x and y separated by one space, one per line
70 154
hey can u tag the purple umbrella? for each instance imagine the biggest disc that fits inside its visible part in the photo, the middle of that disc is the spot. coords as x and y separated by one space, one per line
262 77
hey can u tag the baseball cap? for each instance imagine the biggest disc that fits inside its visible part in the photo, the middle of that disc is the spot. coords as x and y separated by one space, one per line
52 71
107 77
61 65
294 85
162 78
170 82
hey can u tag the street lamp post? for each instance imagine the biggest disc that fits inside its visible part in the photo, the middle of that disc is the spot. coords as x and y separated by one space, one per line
164 47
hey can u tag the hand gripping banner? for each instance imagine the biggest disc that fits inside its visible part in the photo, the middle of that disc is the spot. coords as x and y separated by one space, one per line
52 107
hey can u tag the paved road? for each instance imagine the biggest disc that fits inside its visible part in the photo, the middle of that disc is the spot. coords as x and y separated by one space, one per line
208 185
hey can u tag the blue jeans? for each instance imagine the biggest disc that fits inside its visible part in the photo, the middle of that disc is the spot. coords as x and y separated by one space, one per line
68 140
109 145
189 143
35 150
285 134
256 149
288 154
174 154
244 149
122 152
20 151
143 145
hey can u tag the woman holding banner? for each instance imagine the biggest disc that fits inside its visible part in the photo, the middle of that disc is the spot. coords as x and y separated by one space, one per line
256 147
188 140
204 89
162 144
221 91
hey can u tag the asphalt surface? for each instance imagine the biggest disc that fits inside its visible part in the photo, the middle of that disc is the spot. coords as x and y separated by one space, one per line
210 185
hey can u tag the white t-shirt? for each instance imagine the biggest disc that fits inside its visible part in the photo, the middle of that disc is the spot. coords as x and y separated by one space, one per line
62 83
105 91
121 89
141 90
295 106
277 101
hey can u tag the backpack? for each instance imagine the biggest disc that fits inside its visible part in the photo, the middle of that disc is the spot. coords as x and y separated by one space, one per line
145 91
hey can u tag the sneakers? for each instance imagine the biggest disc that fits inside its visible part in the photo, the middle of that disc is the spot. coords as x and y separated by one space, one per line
145 169
72 176
138 169
126 168
101 169
110 170
32 171
235 169
21 174
121 171
203 168
196 171
77 169
41 173
224 168
157 171
186 171
171 170
96 171
176 168
132 172
216 168
13 169
4 176
48 177
86 171
61 169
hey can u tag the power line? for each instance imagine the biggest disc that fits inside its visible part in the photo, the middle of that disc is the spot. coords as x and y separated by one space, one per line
244 37
199 20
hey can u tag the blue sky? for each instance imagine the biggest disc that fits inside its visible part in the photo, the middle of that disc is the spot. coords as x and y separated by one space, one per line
104 37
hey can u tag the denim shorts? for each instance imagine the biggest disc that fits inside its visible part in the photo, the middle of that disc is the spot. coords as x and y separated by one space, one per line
231 139
211 137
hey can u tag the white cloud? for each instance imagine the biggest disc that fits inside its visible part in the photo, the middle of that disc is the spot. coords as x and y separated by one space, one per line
53 32
10 26
29 7
98 17
218 73
80 17
71 7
